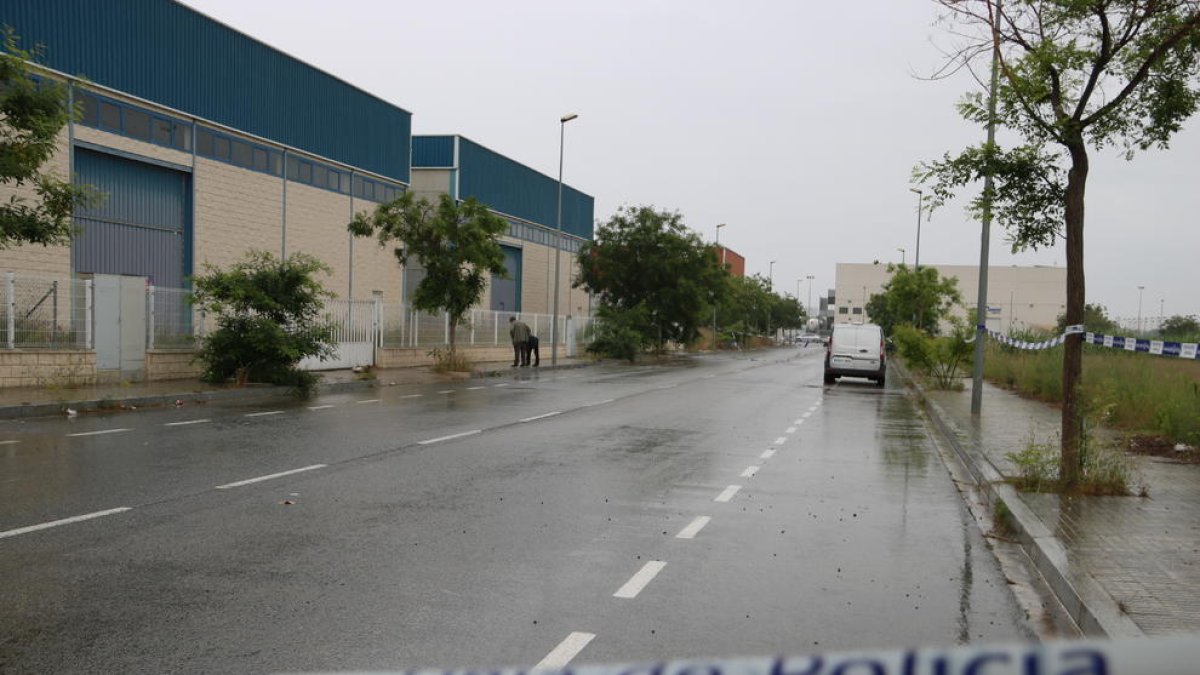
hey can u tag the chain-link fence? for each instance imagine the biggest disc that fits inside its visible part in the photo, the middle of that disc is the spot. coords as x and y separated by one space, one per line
172 321
45 313
402 326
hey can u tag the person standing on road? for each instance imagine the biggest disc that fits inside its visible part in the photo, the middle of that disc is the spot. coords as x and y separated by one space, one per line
519 331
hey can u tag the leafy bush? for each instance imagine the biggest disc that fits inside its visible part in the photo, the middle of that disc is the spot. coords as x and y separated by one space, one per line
942 359
446 361
268 315
622 333
1105 469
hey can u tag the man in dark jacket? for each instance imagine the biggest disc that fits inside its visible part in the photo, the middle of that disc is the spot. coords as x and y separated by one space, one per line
531 349
519 332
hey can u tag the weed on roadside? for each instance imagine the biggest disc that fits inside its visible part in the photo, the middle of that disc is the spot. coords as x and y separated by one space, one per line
1106 469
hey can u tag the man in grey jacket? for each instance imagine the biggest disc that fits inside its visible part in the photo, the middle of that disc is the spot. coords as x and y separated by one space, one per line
519 331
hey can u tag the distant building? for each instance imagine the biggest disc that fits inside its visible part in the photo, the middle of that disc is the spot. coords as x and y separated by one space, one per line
1018 297
731 259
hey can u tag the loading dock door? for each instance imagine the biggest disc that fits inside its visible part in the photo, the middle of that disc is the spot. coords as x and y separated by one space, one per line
506 293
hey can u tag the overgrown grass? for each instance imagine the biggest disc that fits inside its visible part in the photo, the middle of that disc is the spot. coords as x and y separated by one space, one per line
1129 391
1105 468
445 362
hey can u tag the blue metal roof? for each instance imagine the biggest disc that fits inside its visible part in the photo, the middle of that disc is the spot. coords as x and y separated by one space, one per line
507 185
164 52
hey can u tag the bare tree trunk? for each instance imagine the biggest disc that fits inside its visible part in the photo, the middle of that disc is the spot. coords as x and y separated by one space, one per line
1072 413
453 332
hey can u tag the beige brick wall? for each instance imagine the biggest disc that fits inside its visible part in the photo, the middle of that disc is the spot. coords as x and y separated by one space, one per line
35 260
316 224
236 210
537 289
375 266
398 357
46 368
172 365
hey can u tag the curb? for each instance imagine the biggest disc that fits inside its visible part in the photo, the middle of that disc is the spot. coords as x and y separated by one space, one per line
22 411
1084 599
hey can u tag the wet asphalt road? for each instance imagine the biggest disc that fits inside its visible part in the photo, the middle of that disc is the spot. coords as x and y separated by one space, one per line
482 523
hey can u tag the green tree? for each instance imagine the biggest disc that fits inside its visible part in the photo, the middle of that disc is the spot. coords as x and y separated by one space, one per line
268 314
918 298
1182 328
1095 320
647 260
454 241
33 111
1074 75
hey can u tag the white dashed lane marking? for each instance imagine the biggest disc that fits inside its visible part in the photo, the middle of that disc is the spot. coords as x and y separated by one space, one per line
187 423
781 440
369 400
790 430
640 580
439 439
728 493
321 407
270 476
565 651
9 442
767 454
542 416
264 414
750 471
97 433
412 396
693 528
64 521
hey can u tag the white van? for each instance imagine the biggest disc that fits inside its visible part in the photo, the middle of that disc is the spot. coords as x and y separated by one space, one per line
857 351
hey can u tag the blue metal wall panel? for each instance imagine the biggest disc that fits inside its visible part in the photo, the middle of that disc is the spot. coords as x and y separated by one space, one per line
433 151
513 188
506 292
141 228
165 52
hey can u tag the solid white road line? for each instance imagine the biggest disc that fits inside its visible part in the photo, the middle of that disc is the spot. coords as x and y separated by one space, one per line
274 475
97 433
439 439
565 651
187 422
640 580
768 454
264 414
781 440
369 400
693 528
750 471
64 521
321 407
790 430
728 493
542 416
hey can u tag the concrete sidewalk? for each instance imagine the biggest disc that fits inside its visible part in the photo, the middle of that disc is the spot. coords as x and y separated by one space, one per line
48 401
1122 566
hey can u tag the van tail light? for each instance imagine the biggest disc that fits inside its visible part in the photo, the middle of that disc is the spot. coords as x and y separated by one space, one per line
881 350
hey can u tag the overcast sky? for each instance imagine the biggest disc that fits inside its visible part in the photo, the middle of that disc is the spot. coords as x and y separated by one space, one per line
795 123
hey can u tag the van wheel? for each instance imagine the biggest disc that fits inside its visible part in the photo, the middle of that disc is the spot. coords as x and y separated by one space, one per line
830 379
880 381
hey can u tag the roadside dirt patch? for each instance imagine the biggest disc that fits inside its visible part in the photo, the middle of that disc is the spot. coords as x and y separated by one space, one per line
1157 446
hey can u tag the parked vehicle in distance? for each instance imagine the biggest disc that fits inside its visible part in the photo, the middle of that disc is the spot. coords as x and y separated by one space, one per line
809 339
856 351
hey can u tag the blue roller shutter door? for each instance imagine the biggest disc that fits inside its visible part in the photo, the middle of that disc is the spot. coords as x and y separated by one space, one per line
142 228
506 293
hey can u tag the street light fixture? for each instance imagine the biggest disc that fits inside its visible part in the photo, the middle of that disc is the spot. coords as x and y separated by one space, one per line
902 252
920 196
562 127
771 275
810 280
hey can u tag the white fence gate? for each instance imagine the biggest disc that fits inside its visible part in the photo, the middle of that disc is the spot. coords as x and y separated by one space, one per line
356 332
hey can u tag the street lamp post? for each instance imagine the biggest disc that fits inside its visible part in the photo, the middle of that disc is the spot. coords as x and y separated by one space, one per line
917 259
810 280
1139 324
902 258
562 130
771 275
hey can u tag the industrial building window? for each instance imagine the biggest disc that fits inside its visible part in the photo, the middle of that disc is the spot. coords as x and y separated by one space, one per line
320 176
183 136
91 111
241 154
137 124
843 310
221 148
857 310
204 143
110 117
260 159
161 131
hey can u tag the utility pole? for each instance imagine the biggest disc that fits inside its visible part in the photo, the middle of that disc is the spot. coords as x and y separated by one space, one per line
985 234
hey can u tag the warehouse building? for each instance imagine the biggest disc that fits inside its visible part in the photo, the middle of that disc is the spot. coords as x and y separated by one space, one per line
1018 297
209 144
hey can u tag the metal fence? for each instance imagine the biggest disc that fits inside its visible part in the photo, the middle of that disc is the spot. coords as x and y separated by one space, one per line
49 314
45 313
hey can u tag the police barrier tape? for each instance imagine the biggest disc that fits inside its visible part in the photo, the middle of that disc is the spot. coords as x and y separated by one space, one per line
1183 350
1146 656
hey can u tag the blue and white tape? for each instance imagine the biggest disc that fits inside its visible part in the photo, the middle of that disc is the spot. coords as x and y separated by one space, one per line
1182 350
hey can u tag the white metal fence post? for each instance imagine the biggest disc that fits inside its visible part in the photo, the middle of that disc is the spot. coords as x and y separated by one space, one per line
87 314
10 288
446 316
377 328
150 316
495 328
473 315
